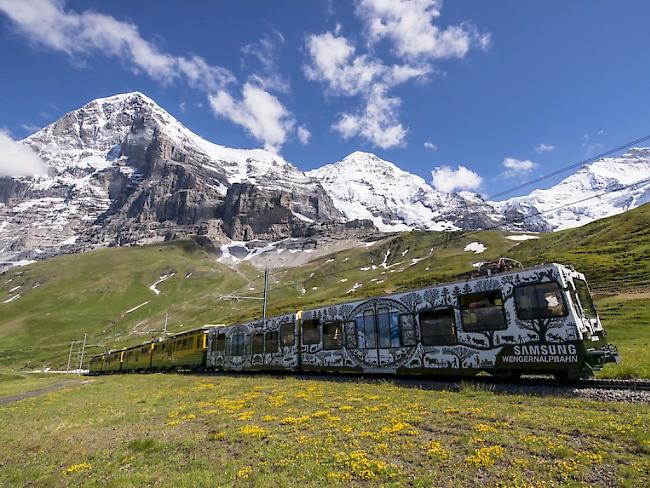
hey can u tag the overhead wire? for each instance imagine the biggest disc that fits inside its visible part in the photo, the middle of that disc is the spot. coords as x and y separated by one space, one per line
557 172
466 234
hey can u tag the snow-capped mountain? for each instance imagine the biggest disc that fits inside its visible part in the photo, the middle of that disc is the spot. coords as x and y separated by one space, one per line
122 170
363 186
603 176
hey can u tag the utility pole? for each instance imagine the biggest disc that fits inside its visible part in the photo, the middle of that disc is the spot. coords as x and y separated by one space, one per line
266 290
72 343
83 349
264 298
165 328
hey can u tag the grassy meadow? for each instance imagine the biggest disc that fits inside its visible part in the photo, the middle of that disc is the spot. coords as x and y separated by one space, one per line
188 431
627 321
257 430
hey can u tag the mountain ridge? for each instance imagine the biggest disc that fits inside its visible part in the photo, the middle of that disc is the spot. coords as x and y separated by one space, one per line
123 171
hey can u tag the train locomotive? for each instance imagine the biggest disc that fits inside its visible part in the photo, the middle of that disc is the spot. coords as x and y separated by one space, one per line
537 320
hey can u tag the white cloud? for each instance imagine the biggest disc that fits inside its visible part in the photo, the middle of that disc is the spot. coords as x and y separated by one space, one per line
430 145
18 159
517 167
377 122
303 135
544 148
258 111
446 179
31 128
409 25
264 55
334 60
46 23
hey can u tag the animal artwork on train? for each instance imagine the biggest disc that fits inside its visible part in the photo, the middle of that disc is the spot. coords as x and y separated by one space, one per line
533 320
464 346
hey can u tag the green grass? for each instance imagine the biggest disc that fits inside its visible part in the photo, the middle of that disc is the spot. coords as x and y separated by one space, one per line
626 319
188 431
67 296
612 252
64 297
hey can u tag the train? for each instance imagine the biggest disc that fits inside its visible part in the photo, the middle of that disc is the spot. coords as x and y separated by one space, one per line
505 322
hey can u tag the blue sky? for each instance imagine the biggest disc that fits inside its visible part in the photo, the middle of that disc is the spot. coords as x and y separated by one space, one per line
425 84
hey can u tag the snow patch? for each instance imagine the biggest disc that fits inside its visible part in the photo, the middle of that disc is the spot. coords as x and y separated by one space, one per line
383 263
69 241
162 278
475 247
354 287
521 237
11 299
302 217
136 307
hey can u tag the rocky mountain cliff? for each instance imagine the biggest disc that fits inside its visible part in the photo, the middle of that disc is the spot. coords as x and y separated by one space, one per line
123 171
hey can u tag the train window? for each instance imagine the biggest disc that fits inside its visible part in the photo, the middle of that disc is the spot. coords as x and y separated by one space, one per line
271 344
388 327
287 335
220 343
258 343
237 344
351 334
311 332
585 299
407 323
332 335
539 300
483 311
366 333
437 327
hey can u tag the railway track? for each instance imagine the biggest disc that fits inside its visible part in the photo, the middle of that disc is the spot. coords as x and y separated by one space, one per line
610 384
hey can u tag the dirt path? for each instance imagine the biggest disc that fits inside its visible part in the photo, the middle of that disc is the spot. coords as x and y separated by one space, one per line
42 391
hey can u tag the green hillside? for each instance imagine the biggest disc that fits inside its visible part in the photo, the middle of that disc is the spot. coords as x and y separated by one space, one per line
612 252
96 292
107 293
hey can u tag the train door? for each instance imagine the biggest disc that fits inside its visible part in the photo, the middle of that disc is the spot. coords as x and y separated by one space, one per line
237 351
378 332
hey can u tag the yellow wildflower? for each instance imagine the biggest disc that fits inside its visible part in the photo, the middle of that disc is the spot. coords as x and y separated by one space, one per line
436 451
485 456
484 428
244 473
252 431
245 415
77 467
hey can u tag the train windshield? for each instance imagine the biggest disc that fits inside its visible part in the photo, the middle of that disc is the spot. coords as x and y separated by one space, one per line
585 299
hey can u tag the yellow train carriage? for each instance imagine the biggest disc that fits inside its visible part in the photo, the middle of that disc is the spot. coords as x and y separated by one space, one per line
138 358
107 362
96 363
181 351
